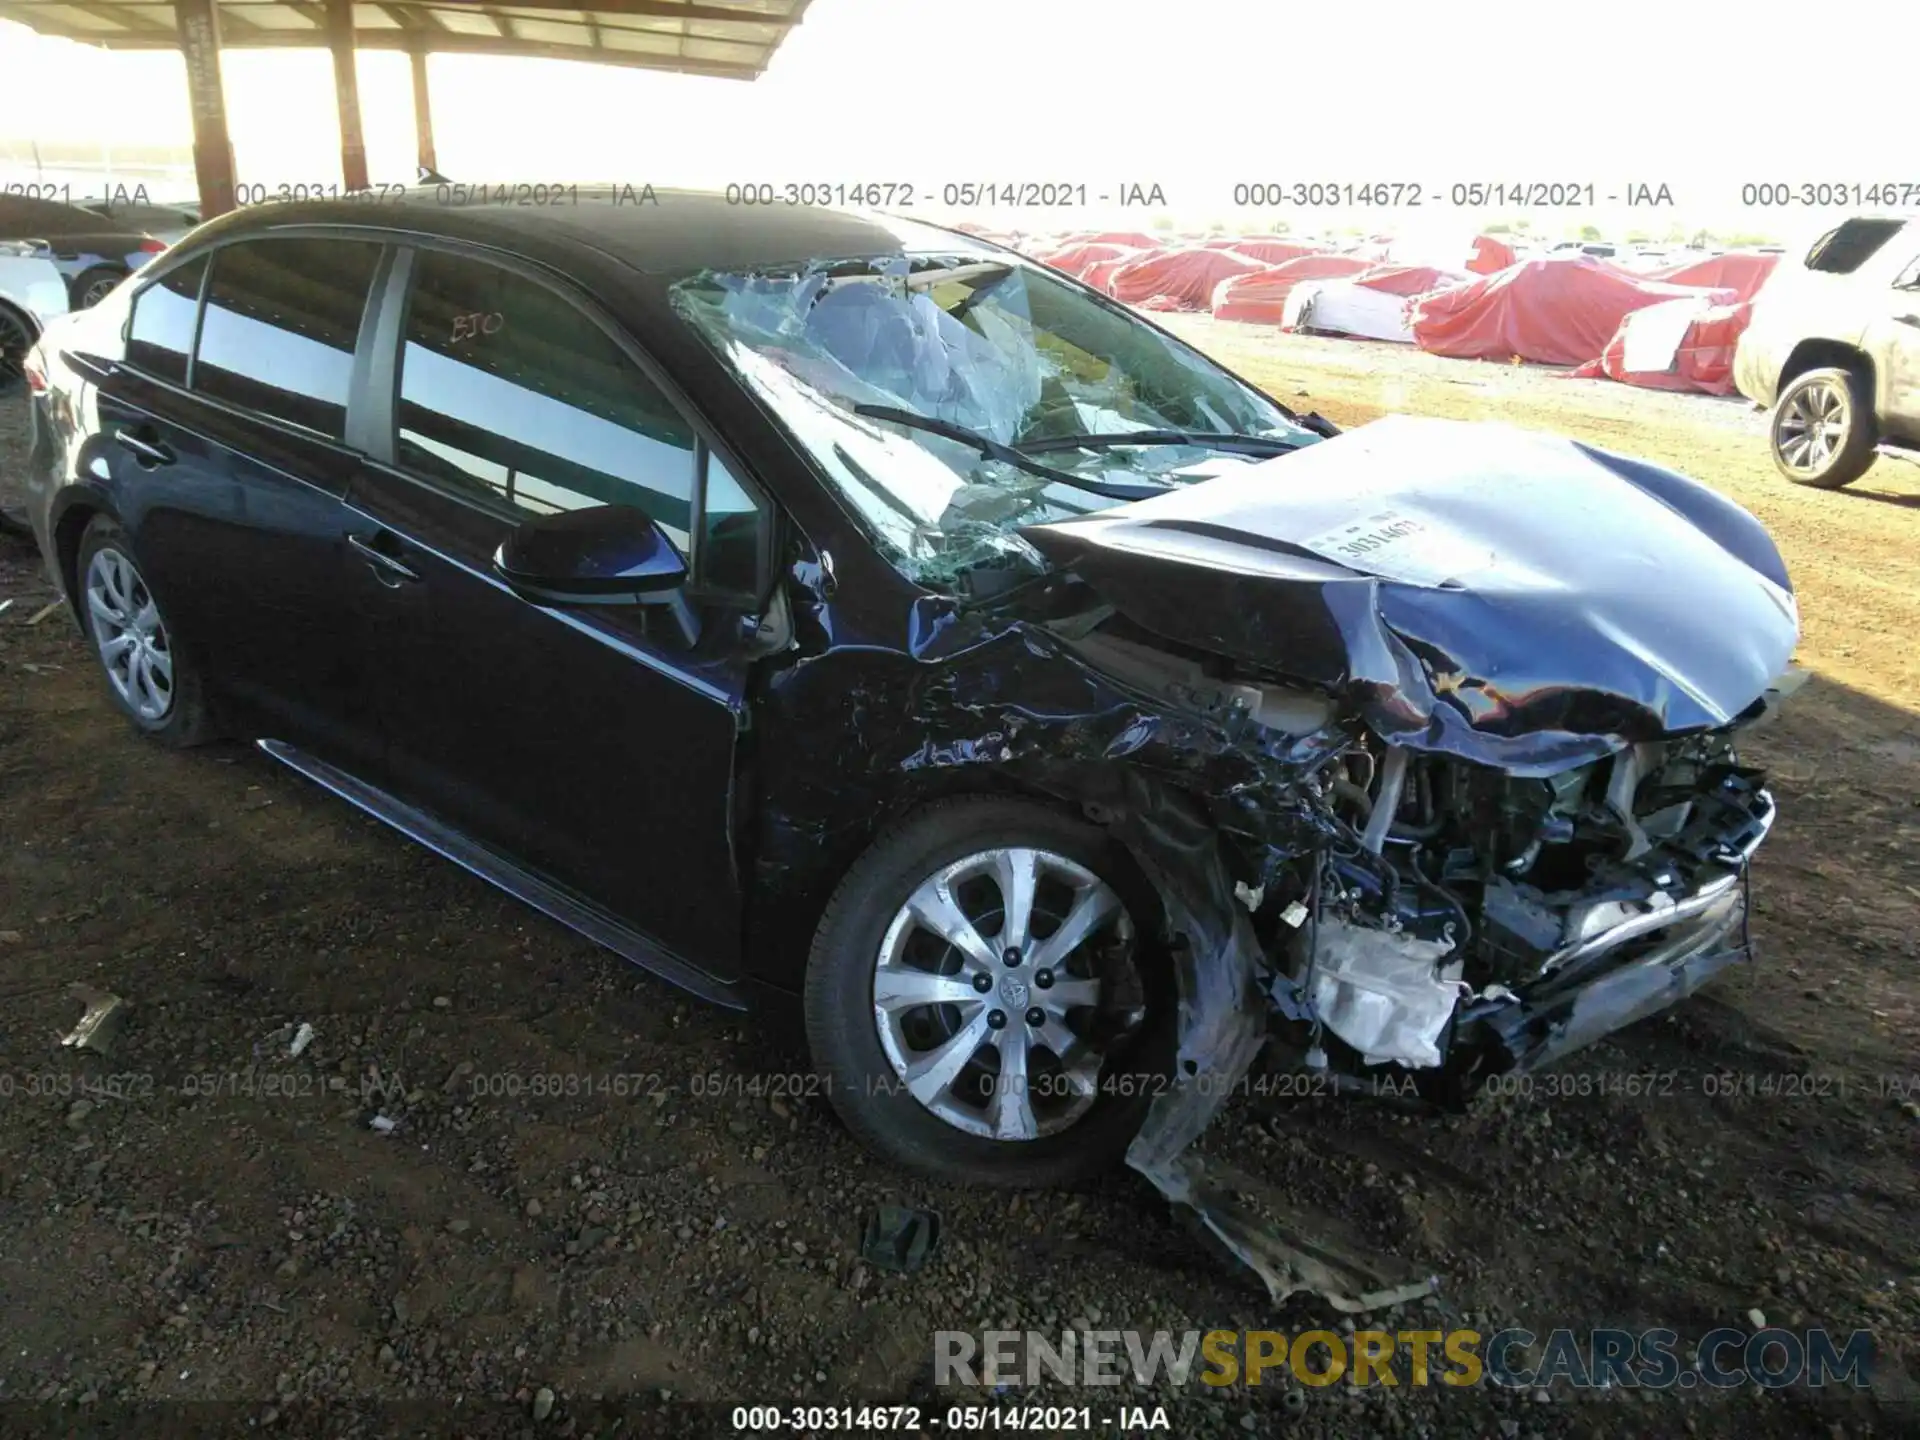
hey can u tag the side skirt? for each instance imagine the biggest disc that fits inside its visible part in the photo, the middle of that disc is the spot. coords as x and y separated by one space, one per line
543 895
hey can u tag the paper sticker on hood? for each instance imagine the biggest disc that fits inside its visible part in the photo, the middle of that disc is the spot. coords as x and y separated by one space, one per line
1401 544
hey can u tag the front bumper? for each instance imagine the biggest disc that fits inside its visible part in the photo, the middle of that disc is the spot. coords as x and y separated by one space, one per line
1640 964
1555 1020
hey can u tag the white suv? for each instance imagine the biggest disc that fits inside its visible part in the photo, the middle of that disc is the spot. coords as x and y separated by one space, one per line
1834 349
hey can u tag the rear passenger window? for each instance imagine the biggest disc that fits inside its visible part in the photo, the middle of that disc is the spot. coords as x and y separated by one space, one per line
160 336
1847 247
510 393
281 320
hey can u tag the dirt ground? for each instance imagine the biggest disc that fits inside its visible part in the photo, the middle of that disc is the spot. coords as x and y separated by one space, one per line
644 1239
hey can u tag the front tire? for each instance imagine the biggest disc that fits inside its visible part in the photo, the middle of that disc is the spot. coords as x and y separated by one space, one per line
152 683
1822 432
984 997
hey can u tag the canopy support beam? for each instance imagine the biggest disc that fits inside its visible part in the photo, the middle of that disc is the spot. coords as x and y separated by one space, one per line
198 27
423 116
346 89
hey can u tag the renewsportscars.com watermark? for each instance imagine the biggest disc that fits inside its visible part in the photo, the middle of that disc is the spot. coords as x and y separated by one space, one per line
1772 1358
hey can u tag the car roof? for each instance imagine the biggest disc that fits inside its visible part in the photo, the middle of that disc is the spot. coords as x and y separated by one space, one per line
655 231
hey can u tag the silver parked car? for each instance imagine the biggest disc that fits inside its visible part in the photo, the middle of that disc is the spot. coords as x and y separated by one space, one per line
1834 349
32 292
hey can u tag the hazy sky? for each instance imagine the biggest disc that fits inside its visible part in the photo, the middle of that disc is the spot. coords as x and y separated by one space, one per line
1702 95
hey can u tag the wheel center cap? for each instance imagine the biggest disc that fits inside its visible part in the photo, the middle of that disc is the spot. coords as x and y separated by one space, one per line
1013 990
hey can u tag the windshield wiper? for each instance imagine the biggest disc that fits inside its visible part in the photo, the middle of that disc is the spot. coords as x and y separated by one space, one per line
993 450
1252 444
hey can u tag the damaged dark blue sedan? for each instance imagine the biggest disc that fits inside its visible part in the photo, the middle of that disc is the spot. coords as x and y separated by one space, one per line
836 606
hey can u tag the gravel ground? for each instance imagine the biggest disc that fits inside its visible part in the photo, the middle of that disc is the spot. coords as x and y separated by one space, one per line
649 1240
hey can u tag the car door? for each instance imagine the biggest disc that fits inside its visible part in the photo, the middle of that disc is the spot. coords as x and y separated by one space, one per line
230 462
594 746
1900 364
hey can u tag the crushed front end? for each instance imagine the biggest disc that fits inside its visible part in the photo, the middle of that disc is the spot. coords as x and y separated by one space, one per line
1401 920
1467 921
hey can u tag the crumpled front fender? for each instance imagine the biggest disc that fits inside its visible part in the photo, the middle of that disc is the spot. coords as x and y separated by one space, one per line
1223 1025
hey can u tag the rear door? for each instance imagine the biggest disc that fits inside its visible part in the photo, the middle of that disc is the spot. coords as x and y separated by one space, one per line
593 745
229 422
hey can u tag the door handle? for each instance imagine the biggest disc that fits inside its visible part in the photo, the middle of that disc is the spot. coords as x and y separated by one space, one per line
388 569
147 452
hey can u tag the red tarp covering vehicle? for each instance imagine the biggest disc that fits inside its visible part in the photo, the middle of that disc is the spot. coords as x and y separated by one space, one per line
1490 256
1410 279
1074 259
1186 277
1260 298
1702 359
1275 252
1100 273
1743 273
1553 312
1135 238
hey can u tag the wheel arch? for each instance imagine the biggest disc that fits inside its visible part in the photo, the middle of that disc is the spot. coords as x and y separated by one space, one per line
24 316
782 934
1816 354
68 523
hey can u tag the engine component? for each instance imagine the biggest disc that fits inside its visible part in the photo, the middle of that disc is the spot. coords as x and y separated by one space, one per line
1387 995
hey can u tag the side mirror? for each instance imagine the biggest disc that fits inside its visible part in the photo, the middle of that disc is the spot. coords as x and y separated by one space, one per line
603 555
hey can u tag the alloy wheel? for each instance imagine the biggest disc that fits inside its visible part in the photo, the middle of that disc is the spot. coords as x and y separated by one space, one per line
130 635
988 991
96 291
1812 427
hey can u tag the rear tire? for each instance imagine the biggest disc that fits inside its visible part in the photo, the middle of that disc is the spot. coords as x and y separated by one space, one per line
95 285
1062 1008
1822 433
148 678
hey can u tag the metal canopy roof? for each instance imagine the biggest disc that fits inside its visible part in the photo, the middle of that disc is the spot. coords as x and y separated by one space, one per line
729 38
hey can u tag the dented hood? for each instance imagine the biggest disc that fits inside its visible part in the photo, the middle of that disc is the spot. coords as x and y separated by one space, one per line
1514 598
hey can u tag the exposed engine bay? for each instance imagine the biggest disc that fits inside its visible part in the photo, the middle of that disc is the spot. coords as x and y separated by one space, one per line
1441 893
1453 883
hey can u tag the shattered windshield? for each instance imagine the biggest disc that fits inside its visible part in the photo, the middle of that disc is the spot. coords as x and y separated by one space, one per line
944 397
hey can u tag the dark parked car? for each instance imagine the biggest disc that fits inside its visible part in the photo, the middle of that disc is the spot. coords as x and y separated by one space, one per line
167 223
93 252
848 609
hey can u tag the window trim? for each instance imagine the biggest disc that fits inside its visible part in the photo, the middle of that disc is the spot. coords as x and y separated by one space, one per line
151 275
383 402
354 366
150 280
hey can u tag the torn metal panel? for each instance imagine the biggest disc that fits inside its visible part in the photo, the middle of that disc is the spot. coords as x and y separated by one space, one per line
99 1025
1222 1027
1289 1252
